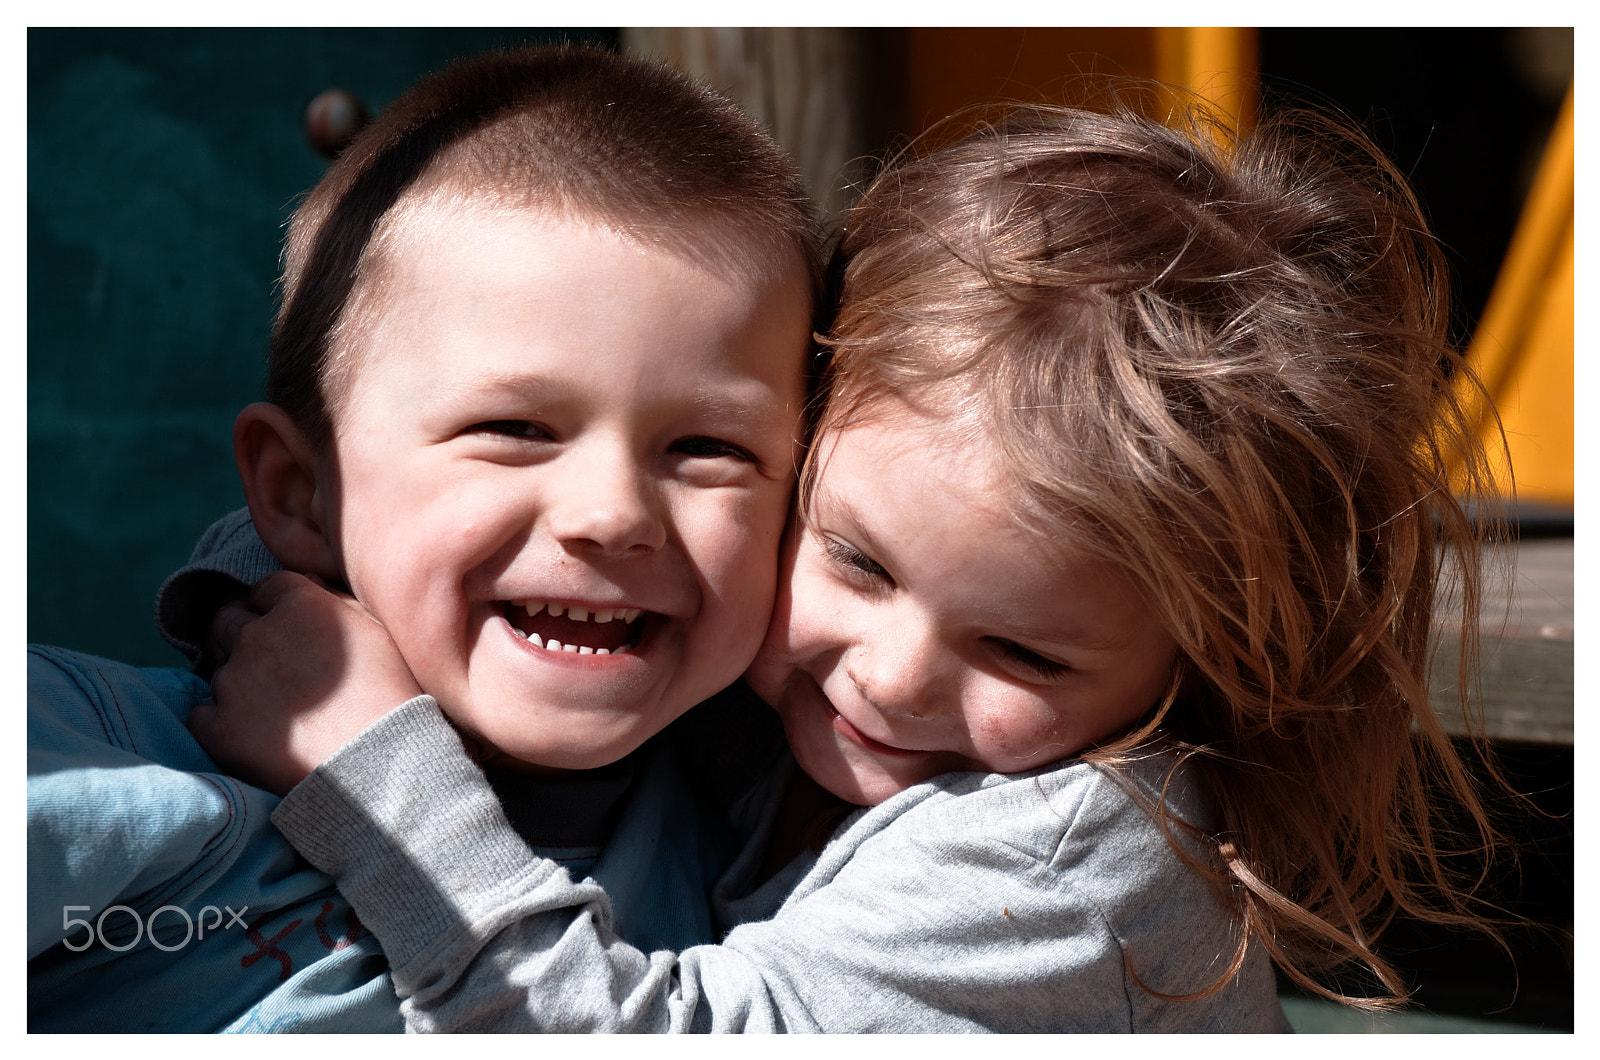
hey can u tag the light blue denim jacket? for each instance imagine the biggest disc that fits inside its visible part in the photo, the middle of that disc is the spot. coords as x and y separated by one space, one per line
162 898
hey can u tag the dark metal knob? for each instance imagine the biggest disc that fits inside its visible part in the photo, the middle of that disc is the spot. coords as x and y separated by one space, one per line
332 120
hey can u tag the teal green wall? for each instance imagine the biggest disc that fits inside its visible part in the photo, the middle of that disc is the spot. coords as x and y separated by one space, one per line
162 165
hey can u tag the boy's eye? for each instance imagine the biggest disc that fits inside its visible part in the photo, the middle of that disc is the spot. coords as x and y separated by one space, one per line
853 559
712 448
1045 669
509 428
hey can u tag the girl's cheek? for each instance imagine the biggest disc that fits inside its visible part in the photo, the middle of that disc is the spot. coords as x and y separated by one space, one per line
805 597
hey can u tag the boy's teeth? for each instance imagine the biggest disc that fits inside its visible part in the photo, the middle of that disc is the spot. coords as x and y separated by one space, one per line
583 614
578 649
577 614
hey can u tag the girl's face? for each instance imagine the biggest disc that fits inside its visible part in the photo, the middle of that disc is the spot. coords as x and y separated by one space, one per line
921 629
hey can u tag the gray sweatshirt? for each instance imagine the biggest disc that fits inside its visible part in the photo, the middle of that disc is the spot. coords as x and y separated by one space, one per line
1036 902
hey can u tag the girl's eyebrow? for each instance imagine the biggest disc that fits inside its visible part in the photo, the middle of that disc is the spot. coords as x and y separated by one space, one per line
1078 638
845 512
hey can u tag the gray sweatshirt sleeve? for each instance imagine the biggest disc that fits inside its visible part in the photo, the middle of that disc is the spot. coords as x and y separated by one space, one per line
415 836
983 903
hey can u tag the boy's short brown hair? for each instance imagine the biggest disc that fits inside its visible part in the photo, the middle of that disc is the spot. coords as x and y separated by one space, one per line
577 131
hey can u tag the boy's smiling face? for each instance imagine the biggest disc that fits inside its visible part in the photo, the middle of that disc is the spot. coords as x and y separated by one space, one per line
545 416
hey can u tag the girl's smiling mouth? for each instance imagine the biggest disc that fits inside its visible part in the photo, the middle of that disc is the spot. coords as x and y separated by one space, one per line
856 736
576 628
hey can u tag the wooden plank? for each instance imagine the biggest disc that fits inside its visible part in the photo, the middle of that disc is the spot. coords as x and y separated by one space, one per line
1526 626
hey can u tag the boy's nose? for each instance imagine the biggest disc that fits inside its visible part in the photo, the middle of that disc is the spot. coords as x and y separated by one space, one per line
605 505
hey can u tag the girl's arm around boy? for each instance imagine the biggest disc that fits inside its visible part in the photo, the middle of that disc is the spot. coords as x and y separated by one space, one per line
973 902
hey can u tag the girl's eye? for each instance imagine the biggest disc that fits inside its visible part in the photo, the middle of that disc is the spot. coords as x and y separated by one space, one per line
711 448
853 559
1045 669
510 429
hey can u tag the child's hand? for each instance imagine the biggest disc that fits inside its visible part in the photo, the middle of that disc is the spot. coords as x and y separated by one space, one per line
303 670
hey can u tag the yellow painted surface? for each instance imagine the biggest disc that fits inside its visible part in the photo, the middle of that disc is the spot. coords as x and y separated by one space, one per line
1218 63
1524 347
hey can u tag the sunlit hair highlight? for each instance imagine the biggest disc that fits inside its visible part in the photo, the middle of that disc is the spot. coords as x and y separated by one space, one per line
1221 362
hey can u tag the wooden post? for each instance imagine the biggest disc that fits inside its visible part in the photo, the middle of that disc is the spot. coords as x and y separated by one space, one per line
811 87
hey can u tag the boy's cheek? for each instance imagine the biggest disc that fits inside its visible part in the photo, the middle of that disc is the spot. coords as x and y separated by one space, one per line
746 537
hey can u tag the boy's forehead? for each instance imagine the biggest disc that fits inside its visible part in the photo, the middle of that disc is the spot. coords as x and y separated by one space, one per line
428 242
723 246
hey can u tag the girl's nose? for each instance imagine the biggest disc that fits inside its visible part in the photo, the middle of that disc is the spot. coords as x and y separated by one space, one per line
897 670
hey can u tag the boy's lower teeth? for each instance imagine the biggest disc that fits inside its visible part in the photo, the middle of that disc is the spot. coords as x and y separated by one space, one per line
577 649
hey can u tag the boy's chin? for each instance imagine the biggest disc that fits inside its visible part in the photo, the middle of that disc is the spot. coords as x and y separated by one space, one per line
570 752
543 760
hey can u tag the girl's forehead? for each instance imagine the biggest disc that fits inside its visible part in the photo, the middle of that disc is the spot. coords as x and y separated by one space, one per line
949 412
947 440
940 514
926 453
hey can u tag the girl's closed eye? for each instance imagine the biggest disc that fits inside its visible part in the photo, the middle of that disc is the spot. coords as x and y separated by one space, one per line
1038 665
853 560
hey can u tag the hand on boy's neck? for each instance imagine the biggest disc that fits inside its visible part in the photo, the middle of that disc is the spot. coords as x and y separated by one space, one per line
302 671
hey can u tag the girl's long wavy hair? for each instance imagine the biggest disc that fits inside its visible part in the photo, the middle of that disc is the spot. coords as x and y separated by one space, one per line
1222 362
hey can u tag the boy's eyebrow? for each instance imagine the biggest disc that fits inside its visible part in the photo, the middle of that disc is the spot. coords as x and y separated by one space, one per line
761 408
492 382
752 406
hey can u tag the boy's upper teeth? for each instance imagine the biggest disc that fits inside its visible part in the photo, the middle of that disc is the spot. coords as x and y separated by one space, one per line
583 614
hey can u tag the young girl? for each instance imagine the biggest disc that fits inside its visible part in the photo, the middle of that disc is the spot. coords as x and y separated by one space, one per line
1108 610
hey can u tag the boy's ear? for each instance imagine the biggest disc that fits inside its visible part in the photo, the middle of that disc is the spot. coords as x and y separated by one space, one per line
284 489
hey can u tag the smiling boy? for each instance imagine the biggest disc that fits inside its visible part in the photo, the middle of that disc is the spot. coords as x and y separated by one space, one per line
569 426
536 391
